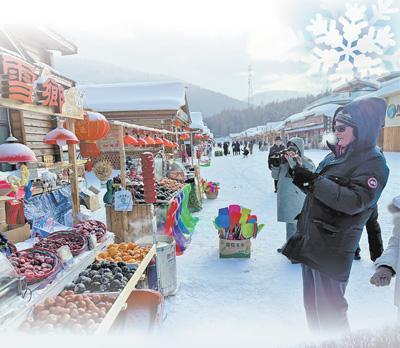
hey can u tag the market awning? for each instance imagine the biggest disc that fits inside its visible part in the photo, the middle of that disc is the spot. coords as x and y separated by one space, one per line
318 126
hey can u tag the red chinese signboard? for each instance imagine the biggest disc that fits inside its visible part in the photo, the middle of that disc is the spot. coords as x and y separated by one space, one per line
52 94
17 78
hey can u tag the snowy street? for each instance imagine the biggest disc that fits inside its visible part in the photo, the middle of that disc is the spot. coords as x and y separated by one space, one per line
263 294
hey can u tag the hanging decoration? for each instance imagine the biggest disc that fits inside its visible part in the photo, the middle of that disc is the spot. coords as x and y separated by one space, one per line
184 136
12 152
149 140
141 141
158 141
130 140
93 127
60 136
198 136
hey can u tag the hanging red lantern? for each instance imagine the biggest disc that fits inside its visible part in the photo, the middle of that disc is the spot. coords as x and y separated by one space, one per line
184 136
130 140
198 136
93 127
175 145
60 136
158 140
177 123
149 140
167 143
141 141
12 152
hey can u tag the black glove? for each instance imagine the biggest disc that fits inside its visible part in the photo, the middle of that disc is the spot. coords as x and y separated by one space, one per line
303 176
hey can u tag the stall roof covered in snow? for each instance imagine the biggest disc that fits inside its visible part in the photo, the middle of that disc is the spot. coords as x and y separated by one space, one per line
388 88
324 109
135 96
275 126
197 120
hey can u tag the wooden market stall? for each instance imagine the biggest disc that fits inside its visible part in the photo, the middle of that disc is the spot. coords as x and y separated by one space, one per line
34 100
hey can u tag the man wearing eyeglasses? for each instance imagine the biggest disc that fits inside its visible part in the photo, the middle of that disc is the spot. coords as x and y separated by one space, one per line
340 197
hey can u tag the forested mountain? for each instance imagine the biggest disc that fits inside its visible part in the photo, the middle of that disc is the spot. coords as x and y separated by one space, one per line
86 71
235 121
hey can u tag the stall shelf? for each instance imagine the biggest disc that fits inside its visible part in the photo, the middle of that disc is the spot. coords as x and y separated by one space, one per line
19 309
120 302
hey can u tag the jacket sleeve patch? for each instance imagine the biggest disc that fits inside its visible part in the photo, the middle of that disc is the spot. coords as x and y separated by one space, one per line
372 183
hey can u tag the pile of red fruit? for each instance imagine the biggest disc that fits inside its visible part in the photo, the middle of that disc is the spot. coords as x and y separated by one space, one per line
89 227
150 188
69 312
35 264
76 242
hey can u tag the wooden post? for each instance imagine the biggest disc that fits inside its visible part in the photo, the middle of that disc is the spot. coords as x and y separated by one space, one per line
74 173
191 146
122 159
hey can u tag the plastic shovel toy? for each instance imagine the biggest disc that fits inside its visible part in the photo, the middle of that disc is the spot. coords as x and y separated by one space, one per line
257 229
252 218
247 230
234 208
223 219
245 213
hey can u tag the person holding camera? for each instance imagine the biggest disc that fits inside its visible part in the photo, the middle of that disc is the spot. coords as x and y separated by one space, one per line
274 160
290 198
341 195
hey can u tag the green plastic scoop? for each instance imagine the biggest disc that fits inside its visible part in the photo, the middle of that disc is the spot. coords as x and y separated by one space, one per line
247 230
245 213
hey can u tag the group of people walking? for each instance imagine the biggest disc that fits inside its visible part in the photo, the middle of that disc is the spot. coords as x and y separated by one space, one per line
326 208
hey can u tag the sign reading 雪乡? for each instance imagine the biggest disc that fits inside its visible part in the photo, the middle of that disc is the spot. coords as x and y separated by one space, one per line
123 201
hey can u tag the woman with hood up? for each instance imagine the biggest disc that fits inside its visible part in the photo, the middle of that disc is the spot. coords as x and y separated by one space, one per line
290 198
341 195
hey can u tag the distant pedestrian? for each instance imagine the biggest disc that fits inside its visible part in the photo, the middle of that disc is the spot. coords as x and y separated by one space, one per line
226 148
251 144
245 152
274 160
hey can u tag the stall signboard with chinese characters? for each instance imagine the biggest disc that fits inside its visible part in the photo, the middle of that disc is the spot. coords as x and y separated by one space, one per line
110 142
123 200
17 78
51 93
28 87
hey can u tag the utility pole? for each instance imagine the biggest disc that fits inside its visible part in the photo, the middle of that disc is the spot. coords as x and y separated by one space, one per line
250 87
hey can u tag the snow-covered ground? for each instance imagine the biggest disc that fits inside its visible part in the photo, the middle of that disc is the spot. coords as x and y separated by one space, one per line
238 299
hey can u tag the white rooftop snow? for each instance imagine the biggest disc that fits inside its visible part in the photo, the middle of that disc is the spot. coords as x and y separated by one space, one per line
134 96
387 89
197 119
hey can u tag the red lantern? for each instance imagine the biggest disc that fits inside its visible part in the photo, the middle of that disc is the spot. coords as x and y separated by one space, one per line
177 123
130 140
60 136
167 143
12 152
149 140
141 141
198 136
184 136
175 145
93 127
158 141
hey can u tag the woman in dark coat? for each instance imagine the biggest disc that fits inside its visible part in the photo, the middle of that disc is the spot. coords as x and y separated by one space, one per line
341 196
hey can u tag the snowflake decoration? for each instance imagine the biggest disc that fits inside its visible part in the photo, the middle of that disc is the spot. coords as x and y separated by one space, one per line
355 45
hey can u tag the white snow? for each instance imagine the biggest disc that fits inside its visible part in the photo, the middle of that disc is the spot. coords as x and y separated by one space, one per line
262 296
134 96
196 120
259 300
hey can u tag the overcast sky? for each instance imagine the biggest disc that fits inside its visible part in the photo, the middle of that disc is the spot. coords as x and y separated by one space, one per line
209 42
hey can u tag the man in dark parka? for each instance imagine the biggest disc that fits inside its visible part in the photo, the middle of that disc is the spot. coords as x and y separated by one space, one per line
341 195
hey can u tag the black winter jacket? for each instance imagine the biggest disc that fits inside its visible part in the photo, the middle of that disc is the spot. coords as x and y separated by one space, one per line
342 198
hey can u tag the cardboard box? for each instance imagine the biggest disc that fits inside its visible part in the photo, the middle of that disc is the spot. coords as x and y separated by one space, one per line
91 200
18 233
234 248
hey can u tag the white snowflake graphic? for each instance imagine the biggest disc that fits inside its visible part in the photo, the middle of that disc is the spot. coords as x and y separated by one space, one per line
355 45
